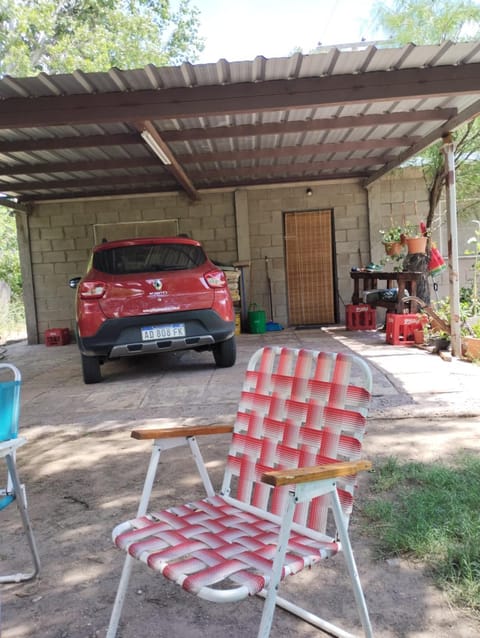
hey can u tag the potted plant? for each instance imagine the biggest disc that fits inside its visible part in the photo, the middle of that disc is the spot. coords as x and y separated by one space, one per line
471 340
420 333
438 341
392 240
436 326
436 332
469 329
470 304
414 238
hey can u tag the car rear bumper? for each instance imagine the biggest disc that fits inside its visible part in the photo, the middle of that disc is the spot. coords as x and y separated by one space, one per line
122 337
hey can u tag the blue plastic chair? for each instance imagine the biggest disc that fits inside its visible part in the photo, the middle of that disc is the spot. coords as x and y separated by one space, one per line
9 443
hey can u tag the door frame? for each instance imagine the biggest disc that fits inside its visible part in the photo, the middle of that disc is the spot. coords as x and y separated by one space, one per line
333 256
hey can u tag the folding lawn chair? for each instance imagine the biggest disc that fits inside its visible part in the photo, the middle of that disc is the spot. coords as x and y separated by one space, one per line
9 442
292 465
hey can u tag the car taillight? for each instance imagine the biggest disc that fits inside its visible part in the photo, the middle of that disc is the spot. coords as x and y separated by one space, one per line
92 289
216 279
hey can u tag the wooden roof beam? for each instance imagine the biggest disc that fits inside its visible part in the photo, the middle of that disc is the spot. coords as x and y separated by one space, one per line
246 130
245 97
157 145
150 162
296 151
57 143
305 126
310 170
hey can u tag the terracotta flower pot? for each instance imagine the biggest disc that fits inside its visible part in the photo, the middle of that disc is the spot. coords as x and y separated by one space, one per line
418 336
416 244
393 248
471 348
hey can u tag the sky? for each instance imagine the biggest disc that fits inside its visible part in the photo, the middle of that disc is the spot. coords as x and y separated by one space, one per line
239 30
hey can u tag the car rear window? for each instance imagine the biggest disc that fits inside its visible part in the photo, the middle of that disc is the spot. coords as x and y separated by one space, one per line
125 260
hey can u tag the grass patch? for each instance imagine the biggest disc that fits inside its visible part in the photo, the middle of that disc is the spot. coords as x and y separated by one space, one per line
431 512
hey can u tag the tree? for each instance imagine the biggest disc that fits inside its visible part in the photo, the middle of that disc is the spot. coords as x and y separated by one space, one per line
428 21
9 258
11 306
434 22
60 36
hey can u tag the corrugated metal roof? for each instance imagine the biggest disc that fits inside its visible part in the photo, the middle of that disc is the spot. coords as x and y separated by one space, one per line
331 115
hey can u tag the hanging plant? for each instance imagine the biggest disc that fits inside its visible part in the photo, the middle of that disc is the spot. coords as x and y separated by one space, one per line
392 234
391 239
415 237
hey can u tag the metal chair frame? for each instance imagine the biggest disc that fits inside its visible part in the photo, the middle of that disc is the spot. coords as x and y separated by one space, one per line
300 486
15 490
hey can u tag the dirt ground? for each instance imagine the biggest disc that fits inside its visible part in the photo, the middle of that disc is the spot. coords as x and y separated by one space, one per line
84 473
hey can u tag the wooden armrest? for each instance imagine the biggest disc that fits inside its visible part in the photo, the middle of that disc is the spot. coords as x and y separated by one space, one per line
314 473
180 431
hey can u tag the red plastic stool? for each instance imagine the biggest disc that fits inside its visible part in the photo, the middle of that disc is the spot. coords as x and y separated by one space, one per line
400 329
361 317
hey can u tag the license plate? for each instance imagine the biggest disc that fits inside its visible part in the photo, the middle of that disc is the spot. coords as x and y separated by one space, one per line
167 331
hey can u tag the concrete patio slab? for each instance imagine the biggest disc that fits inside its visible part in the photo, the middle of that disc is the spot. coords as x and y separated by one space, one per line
84 473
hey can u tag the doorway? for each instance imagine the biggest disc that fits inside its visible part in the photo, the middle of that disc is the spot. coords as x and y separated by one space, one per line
310 267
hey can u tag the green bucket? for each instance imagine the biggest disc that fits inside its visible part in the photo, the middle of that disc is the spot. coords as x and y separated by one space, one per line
257 320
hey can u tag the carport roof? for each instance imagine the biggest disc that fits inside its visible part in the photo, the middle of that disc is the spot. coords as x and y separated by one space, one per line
335 114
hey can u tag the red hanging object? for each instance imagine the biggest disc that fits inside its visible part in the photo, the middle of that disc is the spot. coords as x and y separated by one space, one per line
436 264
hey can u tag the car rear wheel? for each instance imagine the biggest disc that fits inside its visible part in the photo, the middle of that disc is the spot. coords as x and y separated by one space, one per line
91 369
225 353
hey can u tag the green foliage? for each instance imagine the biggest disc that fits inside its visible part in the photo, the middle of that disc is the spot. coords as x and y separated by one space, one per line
474 242
412 229
392 234
475 330
60 36
470 295
13 316
12 320
398 232
427 21
469 299
430 512
469 312
9 258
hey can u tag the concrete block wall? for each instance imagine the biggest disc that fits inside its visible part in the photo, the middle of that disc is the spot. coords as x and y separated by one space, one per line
61 235
348 202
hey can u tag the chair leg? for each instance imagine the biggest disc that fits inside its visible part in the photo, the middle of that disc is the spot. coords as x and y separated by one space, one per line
22 508
351 565
120 597
272 589
313 619
128 564
273 600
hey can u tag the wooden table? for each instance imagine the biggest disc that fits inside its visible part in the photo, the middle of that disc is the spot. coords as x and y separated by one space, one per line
364 281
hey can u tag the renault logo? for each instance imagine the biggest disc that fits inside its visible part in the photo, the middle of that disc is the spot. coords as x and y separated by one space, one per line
157 284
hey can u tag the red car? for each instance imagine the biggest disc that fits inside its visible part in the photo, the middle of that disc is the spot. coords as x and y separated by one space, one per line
144 296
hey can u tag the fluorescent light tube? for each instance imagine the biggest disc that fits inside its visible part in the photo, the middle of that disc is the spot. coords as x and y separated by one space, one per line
153 144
